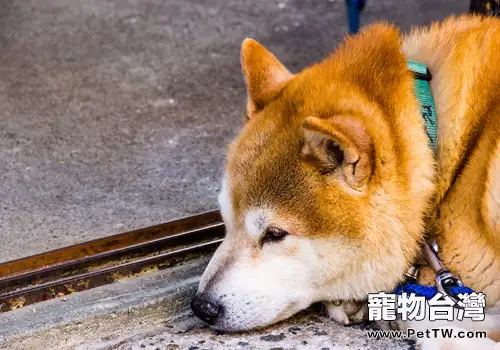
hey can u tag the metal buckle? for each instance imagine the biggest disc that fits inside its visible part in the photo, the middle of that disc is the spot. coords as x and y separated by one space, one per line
445 280
411 276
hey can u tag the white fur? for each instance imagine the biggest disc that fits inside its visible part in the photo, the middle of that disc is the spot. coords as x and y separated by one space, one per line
346 312
256 222
225 201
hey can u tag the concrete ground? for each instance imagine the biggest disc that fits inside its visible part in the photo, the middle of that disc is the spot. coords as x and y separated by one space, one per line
115 114
305 331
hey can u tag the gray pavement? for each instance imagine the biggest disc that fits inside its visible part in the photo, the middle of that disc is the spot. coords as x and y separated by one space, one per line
115 114
304 331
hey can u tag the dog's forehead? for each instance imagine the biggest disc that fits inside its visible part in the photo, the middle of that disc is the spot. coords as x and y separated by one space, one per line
253 221
262 176
246 207
249 206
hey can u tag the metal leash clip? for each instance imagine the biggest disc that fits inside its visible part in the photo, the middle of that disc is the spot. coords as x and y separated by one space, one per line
445 280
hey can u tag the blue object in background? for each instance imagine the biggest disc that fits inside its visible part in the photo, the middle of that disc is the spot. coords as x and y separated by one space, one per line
354 8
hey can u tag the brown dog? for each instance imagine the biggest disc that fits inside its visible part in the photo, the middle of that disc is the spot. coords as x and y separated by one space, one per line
331 188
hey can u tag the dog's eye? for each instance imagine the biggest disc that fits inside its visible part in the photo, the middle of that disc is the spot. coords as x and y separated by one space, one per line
274 234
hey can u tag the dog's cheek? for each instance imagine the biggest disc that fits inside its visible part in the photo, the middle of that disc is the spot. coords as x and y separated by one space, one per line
291 249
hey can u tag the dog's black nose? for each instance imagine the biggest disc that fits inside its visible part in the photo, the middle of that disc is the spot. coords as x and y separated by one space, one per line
204 309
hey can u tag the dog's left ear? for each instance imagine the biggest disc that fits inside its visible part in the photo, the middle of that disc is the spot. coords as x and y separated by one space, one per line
264 75
340 146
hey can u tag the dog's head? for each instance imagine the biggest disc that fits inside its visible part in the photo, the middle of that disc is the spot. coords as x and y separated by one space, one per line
324 190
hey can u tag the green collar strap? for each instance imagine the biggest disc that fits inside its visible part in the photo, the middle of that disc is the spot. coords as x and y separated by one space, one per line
424 96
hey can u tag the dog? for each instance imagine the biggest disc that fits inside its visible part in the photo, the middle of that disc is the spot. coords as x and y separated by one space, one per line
331 189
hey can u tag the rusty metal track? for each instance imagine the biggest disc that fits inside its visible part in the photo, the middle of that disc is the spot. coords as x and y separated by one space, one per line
95 263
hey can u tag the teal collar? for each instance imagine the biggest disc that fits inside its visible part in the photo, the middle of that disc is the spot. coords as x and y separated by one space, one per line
424 96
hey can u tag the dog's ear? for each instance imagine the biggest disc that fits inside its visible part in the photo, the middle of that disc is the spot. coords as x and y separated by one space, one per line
341 146
264 75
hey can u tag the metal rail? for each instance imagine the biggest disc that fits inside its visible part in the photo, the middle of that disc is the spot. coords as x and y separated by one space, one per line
95 263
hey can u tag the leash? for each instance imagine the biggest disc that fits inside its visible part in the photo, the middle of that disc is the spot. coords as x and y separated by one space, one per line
446 283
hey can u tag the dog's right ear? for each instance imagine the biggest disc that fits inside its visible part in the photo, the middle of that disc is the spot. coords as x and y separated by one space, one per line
264 75
339 145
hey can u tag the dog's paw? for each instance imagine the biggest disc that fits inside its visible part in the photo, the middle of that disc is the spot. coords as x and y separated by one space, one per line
346 312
